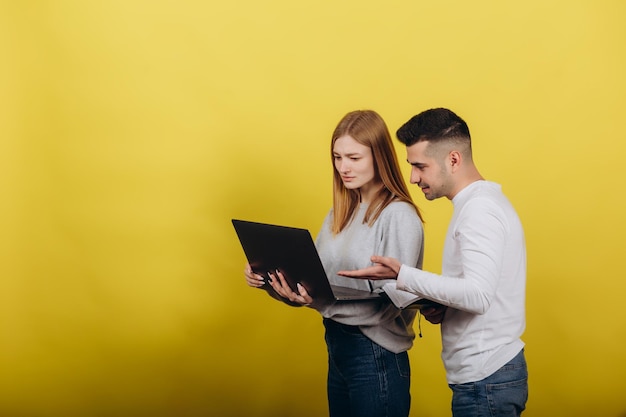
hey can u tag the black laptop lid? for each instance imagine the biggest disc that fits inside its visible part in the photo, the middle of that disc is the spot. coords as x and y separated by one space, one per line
291 250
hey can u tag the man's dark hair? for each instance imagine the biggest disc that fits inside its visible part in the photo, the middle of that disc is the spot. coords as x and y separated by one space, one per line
433 125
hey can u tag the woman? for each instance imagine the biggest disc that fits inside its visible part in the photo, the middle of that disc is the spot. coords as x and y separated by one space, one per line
367 341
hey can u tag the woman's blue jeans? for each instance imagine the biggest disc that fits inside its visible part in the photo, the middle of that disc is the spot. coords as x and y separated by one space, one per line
364 379
502 394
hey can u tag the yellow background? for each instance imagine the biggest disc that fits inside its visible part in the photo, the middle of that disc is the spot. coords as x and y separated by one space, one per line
133 131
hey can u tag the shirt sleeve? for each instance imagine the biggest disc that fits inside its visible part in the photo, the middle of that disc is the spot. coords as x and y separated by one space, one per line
478 237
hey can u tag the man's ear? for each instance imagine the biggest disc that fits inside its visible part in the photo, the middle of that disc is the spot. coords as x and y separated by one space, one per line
454 159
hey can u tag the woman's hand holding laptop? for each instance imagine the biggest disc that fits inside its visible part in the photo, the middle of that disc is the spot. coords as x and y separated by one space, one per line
278 282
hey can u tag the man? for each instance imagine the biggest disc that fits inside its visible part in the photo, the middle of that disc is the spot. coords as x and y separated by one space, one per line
483 281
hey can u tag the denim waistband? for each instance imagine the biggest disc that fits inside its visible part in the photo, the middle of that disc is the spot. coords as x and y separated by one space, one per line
330 323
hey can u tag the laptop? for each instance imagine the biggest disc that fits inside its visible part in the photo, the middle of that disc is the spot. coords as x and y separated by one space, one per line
291 250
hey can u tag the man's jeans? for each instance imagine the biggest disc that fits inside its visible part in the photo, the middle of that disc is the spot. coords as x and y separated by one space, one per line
364 379
502 394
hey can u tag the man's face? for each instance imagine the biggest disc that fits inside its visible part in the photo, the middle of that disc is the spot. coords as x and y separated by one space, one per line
429 170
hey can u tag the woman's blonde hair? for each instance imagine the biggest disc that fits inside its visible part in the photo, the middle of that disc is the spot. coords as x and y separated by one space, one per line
369 129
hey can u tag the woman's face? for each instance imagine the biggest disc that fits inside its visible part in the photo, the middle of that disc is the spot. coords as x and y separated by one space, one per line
355 163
